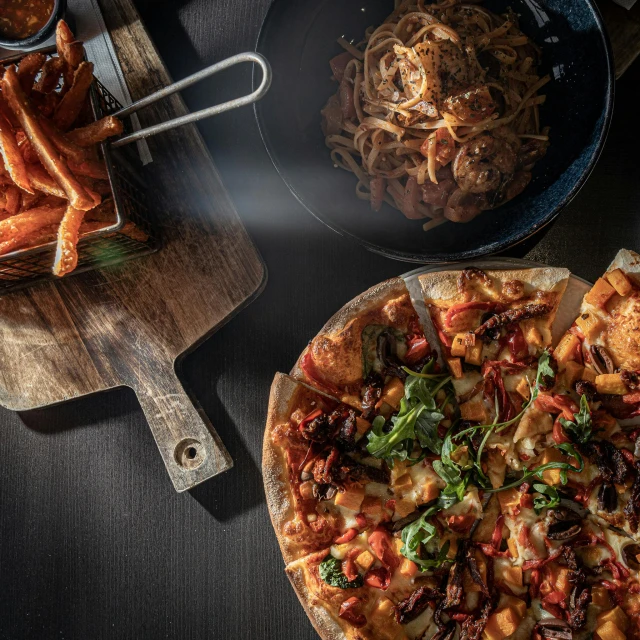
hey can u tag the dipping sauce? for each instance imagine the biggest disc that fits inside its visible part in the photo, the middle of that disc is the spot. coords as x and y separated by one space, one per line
20 19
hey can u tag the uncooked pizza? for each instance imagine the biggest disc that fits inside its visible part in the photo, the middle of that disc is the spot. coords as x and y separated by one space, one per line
437 467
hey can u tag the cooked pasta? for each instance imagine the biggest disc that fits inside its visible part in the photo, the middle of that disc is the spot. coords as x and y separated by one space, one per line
437 112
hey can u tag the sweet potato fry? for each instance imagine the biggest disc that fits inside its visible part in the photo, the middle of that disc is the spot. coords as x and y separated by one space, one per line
69 49
69 149
49 156
70 106
96 132
43 182
10 152
66 258
28 70
15 230
51 72
90 168
12 199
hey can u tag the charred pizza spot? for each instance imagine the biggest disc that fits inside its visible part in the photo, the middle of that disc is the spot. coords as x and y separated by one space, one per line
631 379
554 628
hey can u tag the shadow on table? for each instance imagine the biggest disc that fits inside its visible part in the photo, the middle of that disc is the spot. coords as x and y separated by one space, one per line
83 412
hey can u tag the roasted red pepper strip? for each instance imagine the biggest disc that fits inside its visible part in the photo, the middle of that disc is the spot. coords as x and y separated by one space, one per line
380 542
557 404
349 612
466 306
378 578
559 434
496 538
346 537
418 349
310 418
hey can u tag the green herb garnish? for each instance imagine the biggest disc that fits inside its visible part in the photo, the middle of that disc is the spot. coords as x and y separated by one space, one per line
582 425
422 534
551 500
331 572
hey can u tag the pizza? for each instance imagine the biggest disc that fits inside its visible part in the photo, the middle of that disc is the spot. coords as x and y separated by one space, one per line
436 467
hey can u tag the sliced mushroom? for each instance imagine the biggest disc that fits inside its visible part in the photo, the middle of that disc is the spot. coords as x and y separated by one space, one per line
608 498
631 556
554 628
602 361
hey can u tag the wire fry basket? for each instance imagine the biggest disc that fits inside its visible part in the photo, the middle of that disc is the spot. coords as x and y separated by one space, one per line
132 233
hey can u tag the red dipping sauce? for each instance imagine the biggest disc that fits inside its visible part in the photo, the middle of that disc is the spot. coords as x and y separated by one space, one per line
20 19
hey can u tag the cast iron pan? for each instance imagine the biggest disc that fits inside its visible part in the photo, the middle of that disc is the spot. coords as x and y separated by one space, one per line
299 38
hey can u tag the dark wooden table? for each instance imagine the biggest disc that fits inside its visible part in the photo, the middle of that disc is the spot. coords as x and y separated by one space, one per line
94 542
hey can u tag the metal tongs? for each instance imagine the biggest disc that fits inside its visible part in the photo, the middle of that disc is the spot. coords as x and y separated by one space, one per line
258 94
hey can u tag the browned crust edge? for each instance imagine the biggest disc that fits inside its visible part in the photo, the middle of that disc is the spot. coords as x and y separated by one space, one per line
377 296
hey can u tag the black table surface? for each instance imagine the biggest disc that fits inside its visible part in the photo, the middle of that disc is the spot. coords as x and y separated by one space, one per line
94 542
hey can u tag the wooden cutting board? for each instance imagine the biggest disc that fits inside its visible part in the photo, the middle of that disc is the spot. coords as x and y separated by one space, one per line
128 325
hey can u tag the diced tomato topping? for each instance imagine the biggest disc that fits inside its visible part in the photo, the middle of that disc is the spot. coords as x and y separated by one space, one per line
349 567
466 306
380 542
378 578
461 524
559 434
361 520
516 343
346 537
418 349
349 611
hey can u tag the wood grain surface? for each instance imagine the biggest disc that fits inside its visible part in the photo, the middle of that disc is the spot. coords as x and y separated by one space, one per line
94 542
126 325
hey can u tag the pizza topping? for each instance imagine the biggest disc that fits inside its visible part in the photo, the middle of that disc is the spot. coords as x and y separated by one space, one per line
511 316
349 611
565 523
586 388
468 275
631 556
607 498
632 508
330 570
631 379
473 627
553 629
410 608
580 426
601 360
446 631
371 396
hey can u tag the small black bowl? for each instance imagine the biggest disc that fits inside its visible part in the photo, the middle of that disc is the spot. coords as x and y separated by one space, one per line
40 37
299 38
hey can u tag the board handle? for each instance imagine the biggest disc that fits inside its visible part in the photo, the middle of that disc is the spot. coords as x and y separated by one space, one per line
190 447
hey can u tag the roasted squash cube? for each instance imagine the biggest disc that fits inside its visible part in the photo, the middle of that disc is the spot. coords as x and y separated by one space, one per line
459 346
403 484
512 575
572 372
475 411
600 294
532 335
513 547
566 349
619 281
371 506
524 389
351 498
600 597
590 325
551 476
408 568
611 384
617 616
362 426
404 507
365 560
455 366
511 602
393 393
589 375
473 354
509 500
430 490
609 631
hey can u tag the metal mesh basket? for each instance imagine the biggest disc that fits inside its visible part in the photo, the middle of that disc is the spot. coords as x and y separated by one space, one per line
112 244
132 234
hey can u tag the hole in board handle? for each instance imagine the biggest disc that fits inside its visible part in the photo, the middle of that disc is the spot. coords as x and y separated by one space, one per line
190 453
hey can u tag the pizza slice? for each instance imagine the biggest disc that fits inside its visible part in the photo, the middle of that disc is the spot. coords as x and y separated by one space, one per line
359 355
595 401
494 326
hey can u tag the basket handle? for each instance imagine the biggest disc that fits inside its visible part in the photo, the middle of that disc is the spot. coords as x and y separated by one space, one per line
258 94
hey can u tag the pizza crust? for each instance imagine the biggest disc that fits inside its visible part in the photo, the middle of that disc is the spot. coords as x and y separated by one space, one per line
443 285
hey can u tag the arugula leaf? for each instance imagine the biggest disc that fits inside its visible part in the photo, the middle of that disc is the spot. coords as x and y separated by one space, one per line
540 502
582 425
331 572
544 371
564 467
418 419
421 533
451 472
